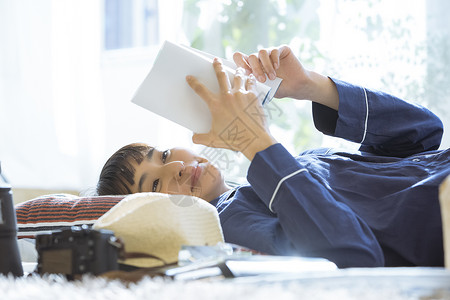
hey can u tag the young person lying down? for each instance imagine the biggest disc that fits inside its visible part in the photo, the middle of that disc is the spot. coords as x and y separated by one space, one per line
375 207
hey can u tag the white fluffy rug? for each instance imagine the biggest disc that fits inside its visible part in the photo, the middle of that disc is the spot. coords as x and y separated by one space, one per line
413 283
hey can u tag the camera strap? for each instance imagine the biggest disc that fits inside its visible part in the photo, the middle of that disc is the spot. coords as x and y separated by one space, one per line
123 255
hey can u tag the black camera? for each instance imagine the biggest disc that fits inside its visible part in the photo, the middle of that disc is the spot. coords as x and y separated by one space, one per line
9 252
78 250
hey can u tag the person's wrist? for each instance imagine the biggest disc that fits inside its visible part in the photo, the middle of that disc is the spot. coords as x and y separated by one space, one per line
259 144
324 91
304 87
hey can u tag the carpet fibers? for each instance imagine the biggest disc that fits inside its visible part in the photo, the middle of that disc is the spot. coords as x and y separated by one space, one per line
345 284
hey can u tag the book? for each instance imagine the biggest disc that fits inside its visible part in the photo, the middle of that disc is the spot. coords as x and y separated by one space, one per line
165 91
255 265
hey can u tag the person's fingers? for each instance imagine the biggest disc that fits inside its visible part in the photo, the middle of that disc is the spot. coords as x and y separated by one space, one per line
266 61
257 69
199 88
250 84
275 58
239 80
240 59
222 76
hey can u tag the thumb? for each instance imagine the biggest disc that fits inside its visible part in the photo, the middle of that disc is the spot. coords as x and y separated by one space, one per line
240 59
201 138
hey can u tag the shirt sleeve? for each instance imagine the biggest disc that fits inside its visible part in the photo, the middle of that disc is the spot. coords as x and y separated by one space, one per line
381 123
313 221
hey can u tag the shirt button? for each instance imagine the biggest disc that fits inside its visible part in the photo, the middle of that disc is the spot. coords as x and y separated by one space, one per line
416 159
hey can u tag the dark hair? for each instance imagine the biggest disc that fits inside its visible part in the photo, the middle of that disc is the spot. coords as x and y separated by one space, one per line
117 174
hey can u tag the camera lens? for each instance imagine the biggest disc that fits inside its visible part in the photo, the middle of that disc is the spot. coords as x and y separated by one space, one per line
9 251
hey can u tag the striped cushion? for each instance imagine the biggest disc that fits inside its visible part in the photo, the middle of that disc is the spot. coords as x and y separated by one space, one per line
54 212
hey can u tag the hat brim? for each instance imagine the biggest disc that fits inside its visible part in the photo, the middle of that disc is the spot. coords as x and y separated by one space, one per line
159 224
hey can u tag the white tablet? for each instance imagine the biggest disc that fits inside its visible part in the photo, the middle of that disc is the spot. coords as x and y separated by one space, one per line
165 91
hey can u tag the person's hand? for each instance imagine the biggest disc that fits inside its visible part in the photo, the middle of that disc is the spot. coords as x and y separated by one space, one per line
238 119
277 62
298 82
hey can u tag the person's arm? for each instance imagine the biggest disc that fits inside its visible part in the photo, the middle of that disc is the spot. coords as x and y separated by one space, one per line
383 124
314 222
307 220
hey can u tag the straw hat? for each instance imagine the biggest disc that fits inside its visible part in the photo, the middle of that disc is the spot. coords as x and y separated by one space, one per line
159 224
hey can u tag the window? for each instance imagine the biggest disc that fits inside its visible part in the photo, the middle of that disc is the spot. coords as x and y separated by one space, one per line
130 24
400 47
379 44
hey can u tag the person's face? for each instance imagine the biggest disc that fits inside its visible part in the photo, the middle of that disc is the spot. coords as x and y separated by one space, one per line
178 171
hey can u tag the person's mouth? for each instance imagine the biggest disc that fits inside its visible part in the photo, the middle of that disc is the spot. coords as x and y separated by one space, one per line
196 173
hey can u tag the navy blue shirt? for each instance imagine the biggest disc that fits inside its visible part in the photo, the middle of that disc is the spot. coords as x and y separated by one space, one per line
375 207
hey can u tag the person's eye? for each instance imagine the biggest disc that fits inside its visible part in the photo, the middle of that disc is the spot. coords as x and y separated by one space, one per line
155 185
164 156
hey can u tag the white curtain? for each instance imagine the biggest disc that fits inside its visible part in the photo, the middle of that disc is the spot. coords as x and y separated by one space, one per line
51 108
65 102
